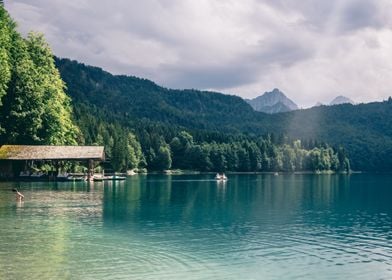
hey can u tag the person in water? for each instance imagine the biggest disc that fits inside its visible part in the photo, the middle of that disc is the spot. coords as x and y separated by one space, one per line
19 196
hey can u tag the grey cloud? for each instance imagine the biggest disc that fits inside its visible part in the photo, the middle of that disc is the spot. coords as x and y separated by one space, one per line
245 47
361 14
284 51
207 77
344 16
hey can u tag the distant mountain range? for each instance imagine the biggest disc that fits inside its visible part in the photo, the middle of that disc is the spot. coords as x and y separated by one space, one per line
276 101
341 100
272 102
336 101
318 104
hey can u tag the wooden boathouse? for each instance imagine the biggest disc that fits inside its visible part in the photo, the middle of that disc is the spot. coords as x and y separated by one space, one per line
13 158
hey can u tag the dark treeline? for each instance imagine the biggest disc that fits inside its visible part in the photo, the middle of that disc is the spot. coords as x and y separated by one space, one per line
145 144
253 155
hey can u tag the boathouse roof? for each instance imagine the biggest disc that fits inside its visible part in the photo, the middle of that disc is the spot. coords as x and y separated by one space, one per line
27 152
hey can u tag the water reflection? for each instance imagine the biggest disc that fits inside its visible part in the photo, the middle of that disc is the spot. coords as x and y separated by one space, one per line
251 198
176 227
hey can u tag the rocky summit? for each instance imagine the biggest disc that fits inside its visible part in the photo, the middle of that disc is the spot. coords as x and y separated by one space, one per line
272 102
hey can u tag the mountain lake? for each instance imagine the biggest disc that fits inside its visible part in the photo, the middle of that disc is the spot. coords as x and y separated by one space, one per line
298 226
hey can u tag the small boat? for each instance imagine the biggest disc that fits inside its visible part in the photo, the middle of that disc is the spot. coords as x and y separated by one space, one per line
24 175
76 178
38 176
118 178
109 178
98 178
62 177
220 177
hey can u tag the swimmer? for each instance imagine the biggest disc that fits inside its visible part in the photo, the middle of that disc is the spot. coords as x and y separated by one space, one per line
19 196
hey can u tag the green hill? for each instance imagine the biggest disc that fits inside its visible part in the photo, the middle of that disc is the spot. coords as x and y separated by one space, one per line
140 98
364 130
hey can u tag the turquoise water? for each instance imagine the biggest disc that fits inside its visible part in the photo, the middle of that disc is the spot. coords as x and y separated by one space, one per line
191 227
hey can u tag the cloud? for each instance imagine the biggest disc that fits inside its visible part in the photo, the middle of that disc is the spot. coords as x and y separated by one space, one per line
312 50
361 14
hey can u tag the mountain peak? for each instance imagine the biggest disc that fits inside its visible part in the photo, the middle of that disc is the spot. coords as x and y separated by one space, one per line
273 101
341 100
274 92
318 104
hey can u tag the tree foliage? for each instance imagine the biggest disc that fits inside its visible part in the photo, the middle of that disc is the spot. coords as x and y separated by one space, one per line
34 107
7 28
158 147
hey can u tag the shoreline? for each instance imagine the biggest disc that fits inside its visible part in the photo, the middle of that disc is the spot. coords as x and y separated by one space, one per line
194 172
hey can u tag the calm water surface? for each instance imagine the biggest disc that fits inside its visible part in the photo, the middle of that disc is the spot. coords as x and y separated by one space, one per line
191 227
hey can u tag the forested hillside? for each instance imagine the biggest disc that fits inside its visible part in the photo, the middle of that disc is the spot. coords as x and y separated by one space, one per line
364 130
139 98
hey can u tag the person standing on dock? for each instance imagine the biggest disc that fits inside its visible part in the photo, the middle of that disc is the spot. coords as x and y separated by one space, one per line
19 196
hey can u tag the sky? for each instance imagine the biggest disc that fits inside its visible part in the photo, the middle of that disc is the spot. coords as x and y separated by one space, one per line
313 51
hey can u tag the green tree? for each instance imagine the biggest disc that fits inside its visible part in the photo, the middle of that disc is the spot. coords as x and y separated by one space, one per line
217 158
254 157
243 159
180 147
163 158
177 152
344 163
151 159
232 157
22 108
135 154
119 155
33 105
315 160
288 158
57 124
199 158
7 27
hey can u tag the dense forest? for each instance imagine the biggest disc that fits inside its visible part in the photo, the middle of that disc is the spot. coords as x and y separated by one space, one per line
155 146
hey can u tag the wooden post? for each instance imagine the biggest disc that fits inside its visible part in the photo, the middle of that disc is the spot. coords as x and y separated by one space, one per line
90 171
57 166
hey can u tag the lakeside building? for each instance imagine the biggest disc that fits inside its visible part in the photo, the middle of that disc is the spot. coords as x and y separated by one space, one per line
15 159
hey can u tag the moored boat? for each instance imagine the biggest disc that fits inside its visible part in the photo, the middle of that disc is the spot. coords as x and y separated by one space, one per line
99 178
62 177
118 178
76 178
220 177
